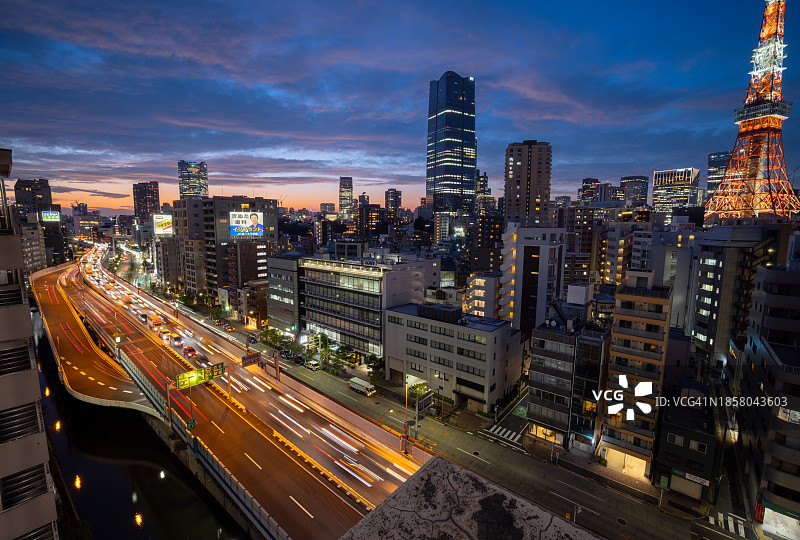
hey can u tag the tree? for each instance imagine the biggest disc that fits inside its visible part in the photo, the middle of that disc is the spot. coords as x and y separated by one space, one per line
416 390
375 366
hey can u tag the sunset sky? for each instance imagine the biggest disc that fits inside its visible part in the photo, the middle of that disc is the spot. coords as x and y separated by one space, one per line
281 98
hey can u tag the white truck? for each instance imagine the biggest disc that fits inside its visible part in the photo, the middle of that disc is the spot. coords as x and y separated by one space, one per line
361 386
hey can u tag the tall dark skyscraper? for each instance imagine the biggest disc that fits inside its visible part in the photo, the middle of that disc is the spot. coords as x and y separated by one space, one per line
30 193
482 183
717 165
393 200
452 147
635 189
588 189
145 200
192 180
345 197
527 185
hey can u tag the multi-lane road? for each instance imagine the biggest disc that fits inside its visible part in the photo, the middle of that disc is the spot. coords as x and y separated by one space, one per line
301 500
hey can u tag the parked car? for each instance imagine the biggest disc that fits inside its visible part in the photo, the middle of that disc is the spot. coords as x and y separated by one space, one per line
286 353
251 339
229 328
313 365
218 323
299 359
189 352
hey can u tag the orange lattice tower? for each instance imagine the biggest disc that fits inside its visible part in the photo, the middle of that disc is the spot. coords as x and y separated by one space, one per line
755 183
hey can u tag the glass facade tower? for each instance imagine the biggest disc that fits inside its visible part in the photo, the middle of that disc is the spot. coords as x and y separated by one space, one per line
452 147
192 180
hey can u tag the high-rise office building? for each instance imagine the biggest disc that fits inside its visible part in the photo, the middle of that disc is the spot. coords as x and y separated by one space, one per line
606 192
30 193
192 179
80 209
482 183
527 187
635 189
345 197
393 202
369 220
563 201
363 199
588 189
327 208
533 274
452 146
717 165
27 495
676 188
145 200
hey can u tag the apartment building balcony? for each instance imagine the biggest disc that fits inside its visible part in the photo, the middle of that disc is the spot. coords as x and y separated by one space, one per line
551 388
506 265
636 372
784 453
631 428
628 447
777 500
541 419
504 311
782 478
563 374
507 288
533 400
641 314
505 300
10 295
636 352
656 336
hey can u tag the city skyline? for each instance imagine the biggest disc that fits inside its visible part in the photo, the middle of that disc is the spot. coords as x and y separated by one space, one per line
327 97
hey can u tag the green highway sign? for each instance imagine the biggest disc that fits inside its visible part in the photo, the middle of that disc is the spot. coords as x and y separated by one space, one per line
198 376
190 378
216 370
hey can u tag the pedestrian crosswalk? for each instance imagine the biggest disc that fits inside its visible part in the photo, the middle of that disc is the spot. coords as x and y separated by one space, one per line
506 434
729 522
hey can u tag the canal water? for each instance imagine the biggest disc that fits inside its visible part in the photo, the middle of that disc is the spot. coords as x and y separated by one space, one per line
124 470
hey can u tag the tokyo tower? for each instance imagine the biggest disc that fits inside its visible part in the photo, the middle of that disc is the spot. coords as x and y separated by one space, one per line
755 184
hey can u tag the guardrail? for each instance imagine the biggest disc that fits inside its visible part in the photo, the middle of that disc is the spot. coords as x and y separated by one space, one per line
262 522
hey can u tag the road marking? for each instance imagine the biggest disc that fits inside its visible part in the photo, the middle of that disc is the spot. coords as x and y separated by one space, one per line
127 391
573 502
348 397
737 517
83 373
68 362
91 378
254 462
216 426
112 387
101 383
576 489
473 455
75 368
301 507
